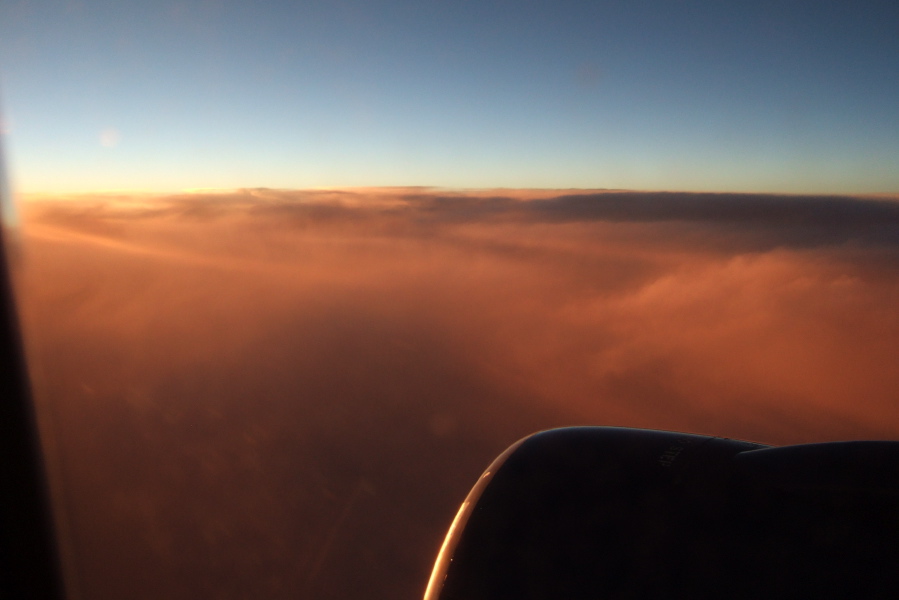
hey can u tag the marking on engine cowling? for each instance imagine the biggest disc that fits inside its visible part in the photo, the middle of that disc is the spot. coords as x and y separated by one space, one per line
667 458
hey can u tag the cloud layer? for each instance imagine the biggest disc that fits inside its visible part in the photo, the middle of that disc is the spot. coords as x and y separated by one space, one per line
257 393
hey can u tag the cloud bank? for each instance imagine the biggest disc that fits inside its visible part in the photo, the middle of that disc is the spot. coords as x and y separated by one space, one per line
280 393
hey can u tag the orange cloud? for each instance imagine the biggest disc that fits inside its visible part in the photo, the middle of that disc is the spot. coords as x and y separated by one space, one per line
260 391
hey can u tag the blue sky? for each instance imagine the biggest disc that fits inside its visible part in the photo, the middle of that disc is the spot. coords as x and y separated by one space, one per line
738 96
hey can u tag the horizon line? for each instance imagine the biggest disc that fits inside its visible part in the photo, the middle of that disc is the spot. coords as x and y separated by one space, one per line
520 193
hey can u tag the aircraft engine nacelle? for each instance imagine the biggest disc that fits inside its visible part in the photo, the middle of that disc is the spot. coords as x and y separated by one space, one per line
615 513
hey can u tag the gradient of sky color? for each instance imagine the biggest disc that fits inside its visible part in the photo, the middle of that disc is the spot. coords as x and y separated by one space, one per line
796 96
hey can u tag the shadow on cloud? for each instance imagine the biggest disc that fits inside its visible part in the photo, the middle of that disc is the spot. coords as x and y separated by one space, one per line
258 393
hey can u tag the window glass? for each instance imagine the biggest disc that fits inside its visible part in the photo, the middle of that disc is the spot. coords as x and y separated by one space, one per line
295 273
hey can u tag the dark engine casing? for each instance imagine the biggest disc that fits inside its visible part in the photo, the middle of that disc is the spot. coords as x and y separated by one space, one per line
615 513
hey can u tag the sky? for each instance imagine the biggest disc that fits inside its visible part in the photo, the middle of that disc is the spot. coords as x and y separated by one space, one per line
787 97
257 393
